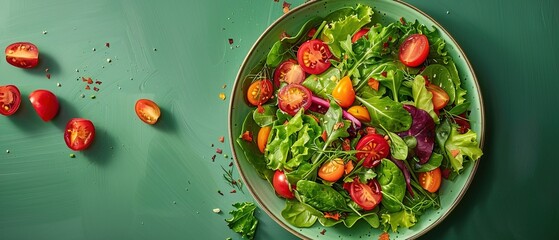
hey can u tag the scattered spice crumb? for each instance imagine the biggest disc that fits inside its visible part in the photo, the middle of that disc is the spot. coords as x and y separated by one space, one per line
323 231
286 6
72 155
96 89
93 49
7 150
225 156
216 210
247 136
213 158
447 12
222 96
218 150
230 164
233 191
220 193
93 97
88 80
45 32
48 75
98 82
224 86
77 70
107 45
109 60
230 40
87 87
83 95
155 49
58 85
221 139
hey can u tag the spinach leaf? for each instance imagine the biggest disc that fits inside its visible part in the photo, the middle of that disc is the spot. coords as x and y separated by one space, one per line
243 220
460 108
434 162
460 92
300 214
276 54
398 148
322 197
388 113
251 151
322 85
265 117
392 184
440 76
458 146
334 124
352 218
423 99
294 176
404 218
344 26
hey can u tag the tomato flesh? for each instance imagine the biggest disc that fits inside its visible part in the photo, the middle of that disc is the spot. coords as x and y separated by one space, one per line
289 72
22 55
360 112
148 111
440 97
359 34
344 93
281 185
314 56
45 104
10 99
79 133
332 170
371 149
294 97
259 92
431 180
414 50
367 196
262 138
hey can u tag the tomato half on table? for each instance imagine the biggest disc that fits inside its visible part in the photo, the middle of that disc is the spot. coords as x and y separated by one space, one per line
10 99
281 185
259 92
45 104
22 54
314 56
332 170
294 97
414 50
431 180
367 196
372 148
79 133
148 111
289 72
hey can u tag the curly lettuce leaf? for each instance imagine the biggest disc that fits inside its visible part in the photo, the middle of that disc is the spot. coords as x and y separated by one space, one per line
243 221
339 29
459 146
404 218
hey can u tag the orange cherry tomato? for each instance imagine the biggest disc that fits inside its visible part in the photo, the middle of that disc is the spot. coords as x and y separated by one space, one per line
332 170
440 97
360 112
431 181
22 55
262 139
343 92
259 92
348 167
147 111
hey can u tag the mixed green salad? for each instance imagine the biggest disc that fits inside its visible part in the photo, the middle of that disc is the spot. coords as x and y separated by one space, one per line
356 121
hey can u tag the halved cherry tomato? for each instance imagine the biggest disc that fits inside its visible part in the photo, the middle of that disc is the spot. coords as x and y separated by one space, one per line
259 92
314 56
360 112
332 170
359 34
45 104
148 111
343 92
371 149
281 185
289 72
22 54
440 97
10 99
430 181
414 50
367 196
262 139
79 133
294 97
348 167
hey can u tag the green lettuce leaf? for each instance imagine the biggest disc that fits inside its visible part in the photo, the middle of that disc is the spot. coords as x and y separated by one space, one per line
458 146
300 214
423 99
338 30
243 221
402 218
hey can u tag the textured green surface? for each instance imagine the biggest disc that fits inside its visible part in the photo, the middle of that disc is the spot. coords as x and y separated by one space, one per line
159 182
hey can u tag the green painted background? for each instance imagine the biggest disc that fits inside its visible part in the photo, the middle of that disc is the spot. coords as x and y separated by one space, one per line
160 182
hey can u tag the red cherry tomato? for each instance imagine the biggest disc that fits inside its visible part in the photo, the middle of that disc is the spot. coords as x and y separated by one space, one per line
289 72
148 111
281 185
440 97
259 92
359 34
344 93
314 56
294 97
10 99
414 50
371 149
79 134
367 196
45 104
430 181
22 54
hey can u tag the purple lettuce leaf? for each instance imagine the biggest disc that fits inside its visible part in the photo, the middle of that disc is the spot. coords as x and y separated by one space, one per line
423 129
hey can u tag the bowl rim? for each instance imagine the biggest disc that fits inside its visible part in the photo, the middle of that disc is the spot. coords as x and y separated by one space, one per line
301 7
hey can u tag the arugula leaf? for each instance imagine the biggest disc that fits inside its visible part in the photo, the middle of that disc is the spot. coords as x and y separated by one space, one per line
423 99
458 146
404 218
387 113
243 221
340 29
300 214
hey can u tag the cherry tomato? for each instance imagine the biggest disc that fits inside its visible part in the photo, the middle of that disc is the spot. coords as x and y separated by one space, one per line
22 55
360 112
289 72
430 181
332 170
371 149
414 50
262 139
10 99
440 97
348 167
314 56
343 92
147 111
259 92
79 133
294 97
281 185
359 34
367 196
45 104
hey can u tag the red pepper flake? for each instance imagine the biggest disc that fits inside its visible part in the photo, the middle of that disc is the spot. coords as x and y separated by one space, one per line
323 231
403 21
286 6
335 216
88 80
107 44
373 83
220 193
446 173
87 87
48 75
230 40
221 139
247 136
385 45
384 236
233 191
311 32
346 145
384 74
284 35
96 89
218 151
230 164
98 82
213 158
260 109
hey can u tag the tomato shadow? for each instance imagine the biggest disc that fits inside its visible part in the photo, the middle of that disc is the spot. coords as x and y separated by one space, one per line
66 112
26 119
102 150
167 122
47 65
